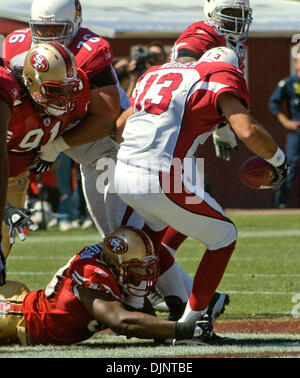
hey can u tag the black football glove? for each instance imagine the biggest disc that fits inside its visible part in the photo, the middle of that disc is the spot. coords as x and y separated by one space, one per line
16 218
281 174
2 266
40 166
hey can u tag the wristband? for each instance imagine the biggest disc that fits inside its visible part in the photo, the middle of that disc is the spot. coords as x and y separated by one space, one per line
277 159
184 330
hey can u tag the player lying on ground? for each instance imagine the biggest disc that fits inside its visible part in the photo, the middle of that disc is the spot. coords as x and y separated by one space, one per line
89 294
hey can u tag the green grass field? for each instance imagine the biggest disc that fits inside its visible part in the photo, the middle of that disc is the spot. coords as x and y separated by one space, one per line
262 279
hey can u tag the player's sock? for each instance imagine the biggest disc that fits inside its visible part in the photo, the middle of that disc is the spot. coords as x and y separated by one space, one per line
208 276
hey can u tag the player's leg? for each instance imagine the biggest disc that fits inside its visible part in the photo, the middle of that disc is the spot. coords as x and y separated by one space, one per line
200 218
12 324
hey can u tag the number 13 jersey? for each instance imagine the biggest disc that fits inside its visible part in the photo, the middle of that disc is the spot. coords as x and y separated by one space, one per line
175 110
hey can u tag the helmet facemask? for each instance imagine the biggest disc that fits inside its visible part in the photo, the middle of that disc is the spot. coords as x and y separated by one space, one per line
50 74
61 32
138 278
130 254
58 98
55 20
232 22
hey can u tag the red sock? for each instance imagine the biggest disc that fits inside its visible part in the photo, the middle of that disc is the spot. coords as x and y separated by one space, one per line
208 276
173 238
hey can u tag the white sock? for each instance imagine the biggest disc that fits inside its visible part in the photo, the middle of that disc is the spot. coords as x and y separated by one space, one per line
189 313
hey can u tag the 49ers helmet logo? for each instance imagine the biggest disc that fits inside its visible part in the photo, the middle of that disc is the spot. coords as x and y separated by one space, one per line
116 245
39 62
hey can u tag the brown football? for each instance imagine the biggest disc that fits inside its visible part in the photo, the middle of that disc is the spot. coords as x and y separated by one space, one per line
256 173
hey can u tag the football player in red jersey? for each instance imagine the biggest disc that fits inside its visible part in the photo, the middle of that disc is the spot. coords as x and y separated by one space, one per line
88 294
53 94
168 100
60 20
9 90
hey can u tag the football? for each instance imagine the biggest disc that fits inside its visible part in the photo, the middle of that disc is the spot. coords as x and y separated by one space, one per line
256 173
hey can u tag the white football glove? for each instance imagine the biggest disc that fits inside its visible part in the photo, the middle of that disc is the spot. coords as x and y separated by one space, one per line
225 142
50 151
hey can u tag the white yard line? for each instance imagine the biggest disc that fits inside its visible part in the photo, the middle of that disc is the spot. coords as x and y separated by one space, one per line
96 238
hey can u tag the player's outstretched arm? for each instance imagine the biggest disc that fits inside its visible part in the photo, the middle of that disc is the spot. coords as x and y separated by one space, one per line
107 310
254 136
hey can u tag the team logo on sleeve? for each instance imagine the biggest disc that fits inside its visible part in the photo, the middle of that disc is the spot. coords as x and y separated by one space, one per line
116 245
39 62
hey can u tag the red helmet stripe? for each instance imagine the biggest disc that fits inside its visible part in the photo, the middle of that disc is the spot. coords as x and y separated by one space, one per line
65 56
146 239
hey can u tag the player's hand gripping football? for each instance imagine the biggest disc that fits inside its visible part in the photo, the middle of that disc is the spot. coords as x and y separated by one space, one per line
16 218
225 141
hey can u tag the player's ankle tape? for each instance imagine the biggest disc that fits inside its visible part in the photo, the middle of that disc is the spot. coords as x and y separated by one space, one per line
184 330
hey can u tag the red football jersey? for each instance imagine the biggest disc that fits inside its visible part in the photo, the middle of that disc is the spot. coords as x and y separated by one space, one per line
9 87
28 129
92 52
199 38
56 315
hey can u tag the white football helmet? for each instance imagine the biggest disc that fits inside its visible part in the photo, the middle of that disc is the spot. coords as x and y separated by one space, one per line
130 254
51 76
232 18
221 54
55 20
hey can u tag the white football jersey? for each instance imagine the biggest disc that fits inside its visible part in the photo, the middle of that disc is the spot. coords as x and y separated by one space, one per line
175 110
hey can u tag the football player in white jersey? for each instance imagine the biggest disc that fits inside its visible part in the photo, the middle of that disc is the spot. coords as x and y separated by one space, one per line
226 23
175 108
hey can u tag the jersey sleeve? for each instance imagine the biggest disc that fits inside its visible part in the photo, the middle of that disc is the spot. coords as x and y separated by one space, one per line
196 40
194 46
9 88
92 52
215 79
231 81
94 275
16 44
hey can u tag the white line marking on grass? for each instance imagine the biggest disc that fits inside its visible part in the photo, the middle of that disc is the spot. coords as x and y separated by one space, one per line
268 233
61 239
227 291
31 273
261 292
96 238
260 275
